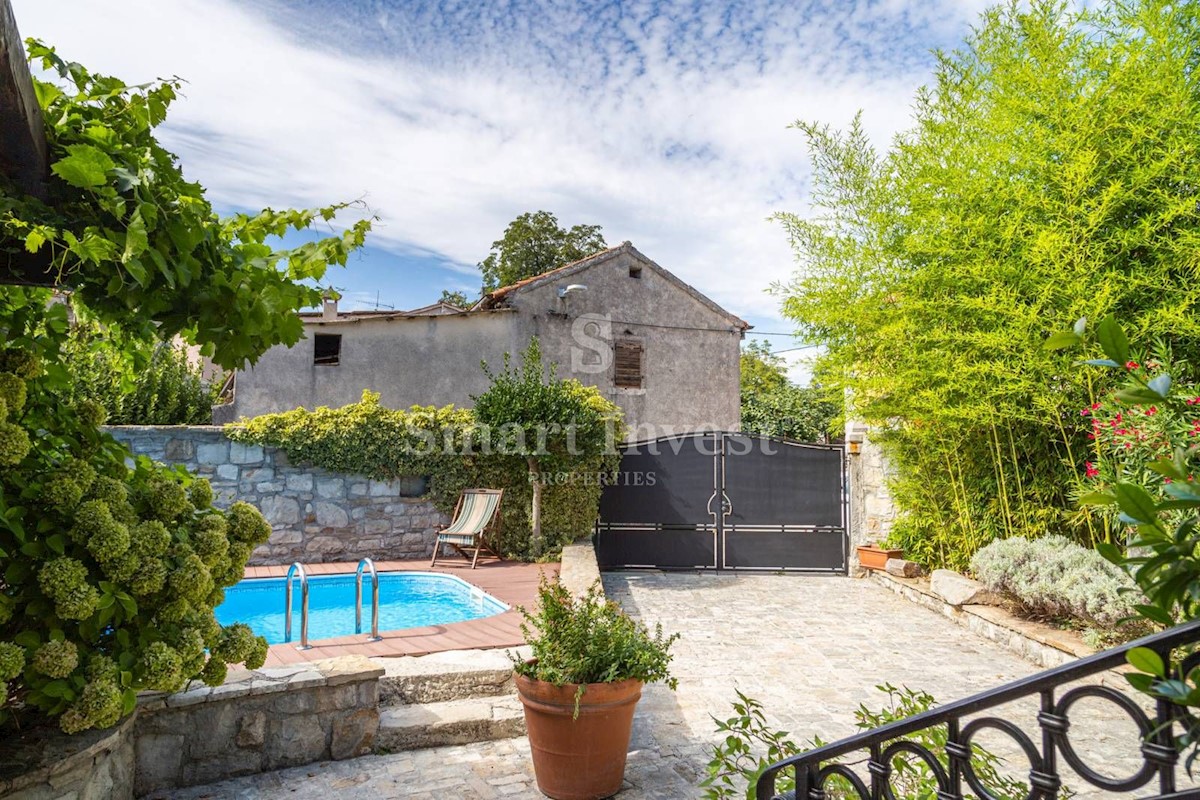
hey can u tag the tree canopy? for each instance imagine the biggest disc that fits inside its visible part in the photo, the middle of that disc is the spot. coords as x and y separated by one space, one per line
553 425
1051 173
773 406
534 243
454 298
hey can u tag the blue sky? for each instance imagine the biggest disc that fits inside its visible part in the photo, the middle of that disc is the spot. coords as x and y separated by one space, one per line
663 122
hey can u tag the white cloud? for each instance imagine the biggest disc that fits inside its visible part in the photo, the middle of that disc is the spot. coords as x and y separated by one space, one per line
666 126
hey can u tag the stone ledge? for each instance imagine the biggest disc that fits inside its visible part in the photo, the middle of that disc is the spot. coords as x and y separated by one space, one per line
255 683
46 756
169 428
579 568
1044 646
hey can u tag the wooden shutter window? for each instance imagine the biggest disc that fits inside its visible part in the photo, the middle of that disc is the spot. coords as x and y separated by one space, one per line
627 359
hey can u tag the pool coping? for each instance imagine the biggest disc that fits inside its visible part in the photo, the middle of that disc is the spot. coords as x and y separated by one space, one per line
512 583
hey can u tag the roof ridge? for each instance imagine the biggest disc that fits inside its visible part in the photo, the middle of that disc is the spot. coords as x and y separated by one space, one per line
503 291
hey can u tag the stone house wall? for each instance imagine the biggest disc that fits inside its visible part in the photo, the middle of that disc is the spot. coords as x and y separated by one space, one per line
691 350
315 515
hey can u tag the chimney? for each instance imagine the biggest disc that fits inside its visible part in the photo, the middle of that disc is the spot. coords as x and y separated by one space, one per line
329 308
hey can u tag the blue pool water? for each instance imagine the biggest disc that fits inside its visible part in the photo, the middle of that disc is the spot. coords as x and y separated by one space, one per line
406 600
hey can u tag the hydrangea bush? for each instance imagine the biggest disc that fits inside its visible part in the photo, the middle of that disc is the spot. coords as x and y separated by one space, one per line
112 571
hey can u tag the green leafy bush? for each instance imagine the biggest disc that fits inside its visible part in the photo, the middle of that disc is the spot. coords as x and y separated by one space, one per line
1161 545
749 746
590 640
772 406
111 572
138 383
447 446
553 426
1055 578
1047 174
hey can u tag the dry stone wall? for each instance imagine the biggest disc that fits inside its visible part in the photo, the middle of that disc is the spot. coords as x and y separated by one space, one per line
43 764
315 515
258 721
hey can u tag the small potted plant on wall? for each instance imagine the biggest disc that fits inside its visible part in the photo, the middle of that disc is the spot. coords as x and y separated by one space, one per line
580 686
872 556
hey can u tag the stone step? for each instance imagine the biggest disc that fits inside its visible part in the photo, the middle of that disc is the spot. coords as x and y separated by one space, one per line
478 719
441 677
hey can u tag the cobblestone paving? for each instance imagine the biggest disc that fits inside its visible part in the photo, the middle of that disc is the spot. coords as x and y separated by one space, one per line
810 648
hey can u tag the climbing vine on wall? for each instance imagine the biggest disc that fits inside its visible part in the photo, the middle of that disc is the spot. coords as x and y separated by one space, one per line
449 447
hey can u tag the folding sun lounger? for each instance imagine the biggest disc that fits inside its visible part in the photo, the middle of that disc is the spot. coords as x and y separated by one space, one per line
476 516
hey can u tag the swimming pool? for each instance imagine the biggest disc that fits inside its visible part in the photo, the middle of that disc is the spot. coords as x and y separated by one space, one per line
406 600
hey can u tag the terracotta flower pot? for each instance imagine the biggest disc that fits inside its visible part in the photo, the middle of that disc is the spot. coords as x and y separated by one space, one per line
583 758
872 557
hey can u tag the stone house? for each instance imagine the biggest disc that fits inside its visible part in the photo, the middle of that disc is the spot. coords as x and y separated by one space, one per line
658 348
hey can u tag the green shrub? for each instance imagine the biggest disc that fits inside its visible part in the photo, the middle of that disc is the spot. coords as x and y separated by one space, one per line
1157 503
111 571
590 640
137 383
103 590
748 746
1055 578
1046 175
448 447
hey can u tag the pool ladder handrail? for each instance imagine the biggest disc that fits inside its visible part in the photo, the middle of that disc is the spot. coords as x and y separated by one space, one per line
358 576
294 569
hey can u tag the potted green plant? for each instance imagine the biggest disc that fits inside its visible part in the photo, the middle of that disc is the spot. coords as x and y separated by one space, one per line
872 556
580 686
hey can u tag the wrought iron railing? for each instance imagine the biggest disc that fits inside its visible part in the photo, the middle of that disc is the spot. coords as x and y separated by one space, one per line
961 723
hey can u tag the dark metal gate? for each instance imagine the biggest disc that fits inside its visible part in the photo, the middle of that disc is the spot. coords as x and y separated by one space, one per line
725 501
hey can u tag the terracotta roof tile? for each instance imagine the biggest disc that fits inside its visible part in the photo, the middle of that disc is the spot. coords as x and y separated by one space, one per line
512 287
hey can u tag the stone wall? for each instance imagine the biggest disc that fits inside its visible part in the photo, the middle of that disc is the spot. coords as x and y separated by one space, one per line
315 515
44 764
257 721
872 511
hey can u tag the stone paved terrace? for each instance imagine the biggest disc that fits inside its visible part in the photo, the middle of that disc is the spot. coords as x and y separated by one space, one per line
810 648
510 582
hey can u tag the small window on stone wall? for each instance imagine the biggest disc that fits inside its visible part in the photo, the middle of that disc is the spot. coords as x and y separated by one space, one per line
327 349
627 364
635 272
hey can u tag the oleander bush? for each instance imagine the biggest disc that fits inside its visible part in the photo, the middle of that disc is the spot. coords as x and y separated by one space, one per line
1145 479
1054 578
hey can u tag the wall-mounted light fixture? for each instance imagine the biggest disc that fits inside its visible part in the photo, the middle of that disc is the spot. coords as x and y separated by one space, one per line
563 293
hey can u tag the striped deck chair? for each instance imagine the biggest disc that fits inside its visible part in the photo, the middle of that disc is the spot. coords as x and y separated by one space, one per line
475 517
